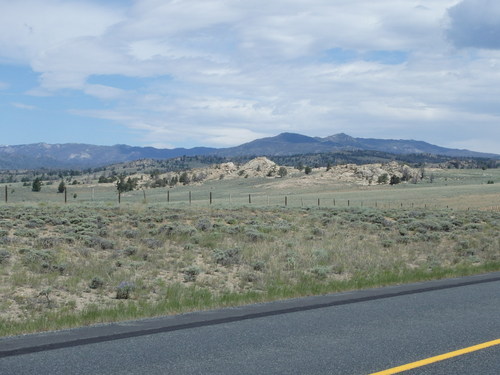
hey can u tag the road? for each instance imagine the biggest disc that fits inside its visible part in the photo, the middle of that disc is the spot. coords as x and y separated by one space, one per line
360 332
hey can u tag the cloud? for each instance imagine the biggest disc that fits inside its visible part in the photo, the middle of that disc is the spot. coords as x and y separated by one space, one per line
105 92
224 72
23 106
227 137
475 24
30 27
154 38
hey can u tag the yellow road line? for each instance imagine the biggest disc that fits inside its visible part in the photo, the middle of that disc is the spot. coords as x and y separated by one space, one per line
438 358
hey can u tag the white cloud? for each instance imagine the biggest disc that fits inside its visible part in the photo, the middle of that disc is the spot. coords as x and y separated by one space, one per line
224 72
29 27
227 137
105 92
23 106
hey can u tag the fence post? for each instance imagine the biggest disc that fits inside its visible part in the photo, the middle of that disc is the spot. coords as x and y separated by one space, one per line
318 202
65 195
210 197
249 198
144 193
348 203
168 196
286 201
189 197
6 194
119 197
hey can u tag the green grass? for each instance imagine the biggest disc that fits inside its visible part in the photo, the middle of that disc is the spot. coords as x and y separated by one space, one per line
460 189
185 299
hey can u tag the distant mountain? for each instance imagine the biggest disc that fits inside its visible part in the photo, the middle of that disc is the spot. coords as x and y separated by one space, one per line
75 155
290 144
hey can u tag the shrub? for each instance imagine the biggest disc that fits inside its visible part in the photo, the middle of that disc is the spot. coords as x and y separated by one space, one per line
383 179
318 232
191 273
60 268
227 257
184 178
4 256
283 226
472 227
204 224
321 255
129 233
96 283
320 272
290 261
394 180
99 242
258 265
231 220
282 172
153 243
47 242
249 277
254 235
26 233
39 260
130 251
34 223
124 289
387 243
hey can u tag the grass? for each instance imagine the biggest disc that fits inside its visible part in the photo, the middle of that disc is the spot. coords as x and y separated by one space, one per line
459 189
174 258
92 260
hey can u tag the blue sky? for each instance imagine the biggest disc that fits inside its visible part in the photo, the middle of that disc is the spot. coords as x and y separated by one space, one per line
185 73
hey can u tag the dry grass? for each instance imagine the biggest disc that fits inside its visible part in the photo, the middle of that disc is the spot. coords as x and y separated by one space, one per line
70 262
92 260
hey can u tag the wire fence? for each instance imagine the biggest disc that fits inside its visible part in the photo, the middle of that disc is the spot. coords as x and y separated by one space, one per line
213 198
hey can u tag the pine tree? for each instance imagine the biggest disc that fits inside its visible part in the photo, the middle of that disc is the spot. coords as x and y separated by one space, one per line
61 187
37 184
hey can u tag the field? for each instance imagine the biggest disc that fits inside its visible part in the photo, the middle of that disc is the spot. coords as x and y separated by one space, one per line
165 251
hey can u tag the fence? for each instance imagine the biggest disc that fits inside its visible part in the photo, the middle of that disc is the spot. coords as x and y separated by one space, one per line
213 198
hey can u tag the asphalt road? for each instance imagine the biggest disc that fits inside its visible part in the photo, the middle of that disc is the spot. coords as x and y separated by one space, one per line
347 333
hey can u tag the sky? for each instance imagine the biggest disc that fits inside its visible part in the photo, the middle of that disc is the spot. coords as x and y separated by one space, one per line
219 73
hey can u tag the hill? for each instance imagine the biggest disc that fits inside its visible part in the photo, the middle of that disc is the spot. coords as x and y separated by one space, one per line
291 144
75 155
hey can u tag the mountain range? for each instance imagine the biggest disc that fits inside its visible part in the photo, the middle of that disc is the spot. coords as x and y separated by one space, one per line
76 155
